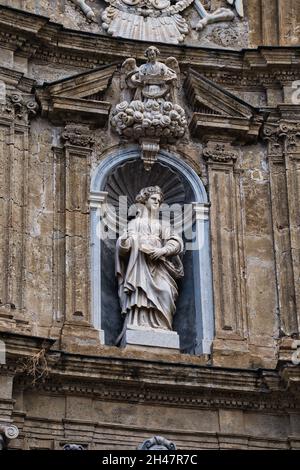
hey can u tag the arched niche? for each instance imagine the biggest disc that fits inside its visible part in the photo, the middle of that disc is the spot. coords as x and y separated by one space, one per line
121 172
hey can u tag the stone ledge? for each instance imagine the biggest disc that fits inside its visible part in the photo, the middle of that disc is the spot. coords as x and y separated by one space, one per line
164 340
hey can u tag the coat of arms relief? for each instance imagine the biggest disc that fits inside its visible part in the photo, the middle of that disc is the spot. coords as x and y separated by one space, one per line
159 20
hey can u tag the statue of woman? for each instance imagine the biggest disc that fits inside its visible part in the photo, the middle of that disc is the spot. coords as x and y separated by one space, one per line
147 266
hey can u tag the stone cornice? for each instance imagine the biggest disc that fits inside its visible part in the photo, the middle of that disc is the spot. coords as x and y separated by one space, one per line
115 374
16 79
35 35
114 364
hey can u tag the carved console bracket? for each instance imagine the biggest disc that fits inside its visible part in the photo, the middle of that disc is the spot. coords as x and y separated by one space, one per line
7 433
150 149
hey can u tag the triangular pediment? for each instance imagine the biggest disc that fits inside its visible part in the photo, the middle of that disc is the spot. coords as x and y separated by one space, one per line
79 97
207 97
218 112
85 85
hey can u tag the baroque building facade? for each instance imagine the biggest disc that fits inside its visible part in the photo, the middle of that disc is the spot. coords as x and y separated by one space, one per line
209 118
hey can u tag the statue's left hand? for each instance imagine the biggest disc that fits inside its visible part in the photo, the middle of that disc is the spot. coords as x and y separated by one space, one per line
157 253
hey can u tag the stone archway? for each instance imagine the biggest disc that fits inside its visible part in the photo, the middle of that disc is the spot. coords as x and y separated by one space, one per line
121 173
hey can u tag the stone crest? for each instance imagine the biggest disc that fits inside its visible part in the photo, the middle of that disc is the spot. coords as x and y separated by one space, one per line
157 20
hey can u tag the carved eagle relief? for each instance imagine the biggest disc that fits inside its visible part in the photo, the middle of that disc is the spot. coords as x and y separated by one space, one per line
157 20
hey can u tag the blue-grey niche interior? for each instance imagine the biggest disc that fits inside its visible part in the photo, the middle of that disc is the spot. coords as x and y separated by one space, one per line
123 174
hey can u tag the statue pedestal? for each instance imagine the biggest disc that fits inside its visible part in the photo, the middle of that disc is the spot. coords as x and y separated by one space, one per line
141 338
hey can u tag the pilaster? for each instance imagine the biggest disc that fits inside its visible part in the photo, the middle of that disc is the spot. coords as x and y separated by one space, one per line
16 109
227 252
77 329
284 163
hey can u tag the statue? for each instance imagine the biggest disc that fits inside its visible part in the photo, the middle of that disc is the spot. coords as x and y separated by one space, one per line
147 266
153 80
149 112
156 20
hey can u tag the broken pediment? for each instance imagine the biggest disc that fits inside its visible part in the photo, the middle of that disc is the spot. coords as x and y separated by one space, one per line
218 112
78 98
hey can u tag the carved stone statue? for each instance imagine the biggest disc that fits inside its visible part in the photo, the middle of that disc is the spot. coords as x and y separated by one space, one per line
150 113
156 20
147 266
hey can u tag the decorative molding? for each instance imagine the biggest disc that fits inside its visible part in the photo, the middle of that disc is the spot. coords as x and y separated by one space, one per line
284 129
136 19
19 106
157 443
7 433
78 135
35 35
160 381
73 447
172 396
275 141
219 152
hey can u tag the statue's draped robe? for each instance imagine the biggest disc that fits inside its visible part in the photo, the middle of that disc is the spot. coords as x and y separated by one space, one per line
154 81
147 289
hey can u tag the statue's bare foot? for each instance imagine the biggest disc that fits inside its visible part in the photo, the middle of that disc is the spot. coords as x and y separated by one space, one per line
221 14
201 24
91 16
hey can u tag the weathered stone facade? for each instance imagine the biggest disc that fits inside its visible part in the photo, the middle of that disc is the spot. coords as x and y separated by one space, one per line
63 381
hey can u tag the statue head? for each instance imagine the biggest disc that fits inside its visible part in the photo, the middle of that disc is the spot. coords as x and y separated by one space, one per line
152 53
151 197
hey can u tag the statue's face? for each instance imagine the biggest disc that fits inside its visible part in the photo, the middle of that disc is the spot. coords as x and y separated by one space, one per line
151 54
153 202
